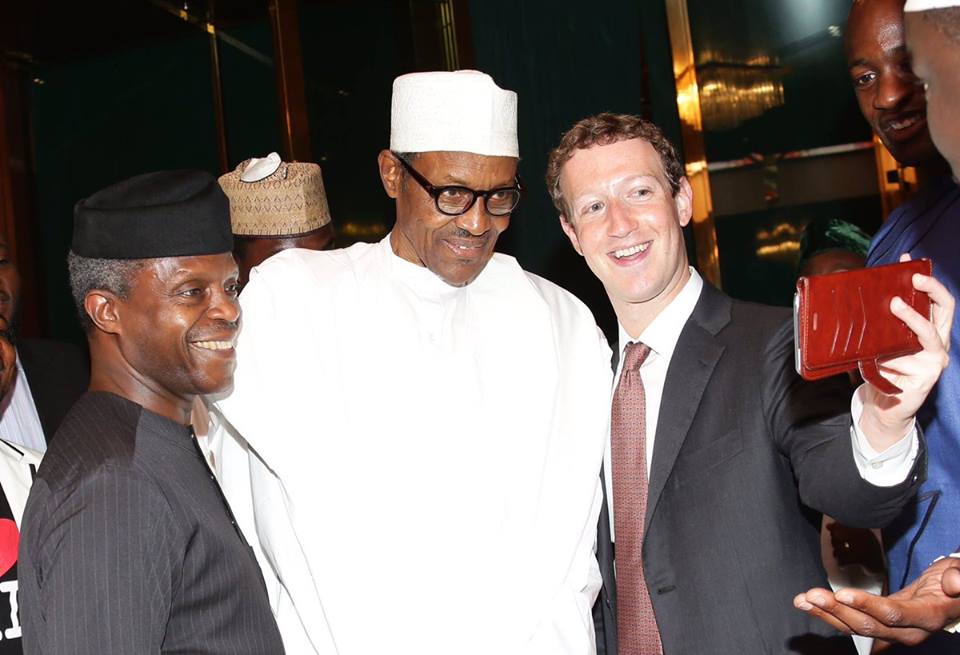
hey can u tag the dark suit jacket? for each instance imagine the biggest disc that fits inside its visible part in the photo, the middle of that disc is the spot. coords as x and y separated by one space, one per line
744 448
58 374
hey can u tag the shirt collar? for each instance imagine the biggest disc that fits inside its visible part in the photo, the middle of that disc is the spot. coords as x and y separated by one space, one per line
664 331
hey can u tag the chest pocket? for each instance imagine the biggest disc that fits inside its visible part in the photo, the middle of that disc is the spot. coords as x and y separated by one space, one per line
692 465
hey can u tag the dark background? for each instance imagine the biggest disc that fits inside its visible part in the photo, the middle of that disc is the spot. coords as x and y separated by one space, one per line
113 89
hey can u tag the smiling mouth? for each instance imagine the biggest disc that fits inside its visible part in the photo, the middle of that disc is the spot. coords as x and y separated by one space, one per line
631 251
468 249
903 122
213 345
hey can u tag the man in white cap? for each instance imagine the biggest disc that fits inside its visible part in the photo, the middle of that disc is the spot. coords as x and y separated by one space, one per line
424 420
933 39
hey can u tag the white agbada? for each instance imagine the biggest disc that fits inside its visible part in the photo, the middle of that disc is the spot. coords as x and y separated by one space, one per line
425 458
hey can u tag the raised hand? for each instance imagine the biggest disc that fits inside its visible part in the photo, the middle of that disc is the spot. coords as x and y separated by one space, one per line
886 419
909 616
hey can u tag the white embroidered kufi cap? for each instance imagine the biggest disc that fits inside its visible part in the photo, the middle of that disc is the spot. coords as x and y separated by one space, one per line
925 5
463 111
269 197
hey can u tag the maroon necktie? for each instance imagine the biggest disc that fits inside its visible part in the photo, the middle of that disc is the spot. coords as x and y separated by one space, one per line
637 632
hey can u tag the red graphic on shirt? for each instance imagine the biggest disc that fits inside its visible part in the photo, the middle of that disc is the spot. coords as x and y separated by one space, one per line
9 544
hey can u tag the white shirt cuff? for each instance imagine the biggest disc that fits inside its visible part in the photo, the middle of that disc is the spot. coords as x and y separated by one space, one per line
893 465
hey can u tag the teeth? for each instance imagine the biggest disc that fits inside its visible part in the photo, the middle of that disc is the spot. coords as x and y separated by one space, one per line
214 345
905 123
626 252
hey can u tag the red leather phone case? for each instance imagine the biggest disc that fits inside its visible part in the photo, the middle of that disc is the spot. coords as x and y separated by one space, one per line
843 320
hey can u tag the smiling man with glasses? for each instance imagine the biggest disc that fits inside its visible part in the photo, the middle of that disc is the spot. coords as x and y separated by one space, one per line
426 478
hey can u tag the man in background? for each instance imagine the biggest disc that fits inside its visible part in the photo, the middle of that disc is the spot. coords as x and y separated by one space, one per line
831 245
930 602
18 465
275 205
50 375
925 226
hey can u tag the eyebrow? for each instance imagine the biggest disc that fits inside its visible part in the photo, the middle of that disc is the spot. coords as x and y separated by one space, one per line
899 50
453 180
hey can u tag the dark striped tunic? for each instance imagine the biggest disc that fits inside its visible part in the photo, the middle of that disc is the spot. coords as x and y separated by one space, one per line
128 546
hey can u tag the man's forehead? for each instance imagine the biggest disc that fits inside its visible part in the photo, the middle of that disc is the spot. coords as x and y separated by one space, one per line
602 163
872 22
461 155
458 163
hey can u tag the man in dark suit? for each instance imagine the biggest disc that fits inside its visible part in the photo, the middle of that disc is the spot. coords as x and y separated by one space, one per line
50 375
721 457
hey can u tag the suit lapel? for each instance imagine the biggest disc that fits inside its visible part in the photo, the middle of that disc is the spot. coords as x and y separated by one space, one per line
694 359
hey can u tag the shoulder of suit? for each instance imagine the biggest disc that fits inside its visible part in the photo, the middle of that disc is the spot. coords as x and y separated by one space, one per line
99 430
756 323
764 316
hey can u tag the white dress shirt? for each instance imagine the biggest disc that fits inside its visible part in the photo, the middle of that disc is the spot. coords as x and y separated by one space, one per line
888 468
19 421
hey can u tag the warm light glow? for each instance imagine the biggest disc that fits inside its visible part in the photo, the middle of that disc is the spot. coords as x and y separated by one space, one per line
368 231
731 93
780 240
781 248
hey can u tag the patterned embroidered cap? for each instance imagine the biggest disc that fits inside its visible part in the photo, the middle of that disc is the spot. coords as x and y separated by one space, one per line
281 199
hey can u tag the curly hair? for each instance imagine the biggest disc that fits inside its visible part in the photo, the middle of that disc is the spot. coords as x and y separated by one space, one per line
604 129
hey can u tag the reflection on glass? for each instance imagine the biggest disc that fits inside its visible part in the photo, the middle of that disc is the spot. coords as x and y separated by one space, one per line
782 135
733 92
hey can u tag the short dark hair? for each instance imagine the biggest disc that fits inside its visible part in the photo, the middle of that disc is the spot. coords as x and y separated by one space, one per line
602 130
947 19
88 274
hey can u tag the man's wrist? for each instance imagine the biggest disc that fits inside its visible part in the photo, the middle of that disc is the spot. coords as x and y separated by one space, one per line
883 432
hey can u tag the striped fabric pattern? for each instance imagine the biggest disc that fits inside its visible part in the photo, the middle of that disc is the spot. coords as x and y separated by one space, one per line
128 546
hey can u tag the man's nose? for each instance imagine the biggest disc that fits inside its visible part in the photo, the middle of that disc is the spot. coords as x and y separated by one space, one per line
893 89
475 220
621 220
224 306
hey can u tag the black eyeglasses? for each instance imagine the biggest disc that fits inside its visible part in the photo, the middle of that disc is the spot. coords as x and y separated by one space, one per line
457 200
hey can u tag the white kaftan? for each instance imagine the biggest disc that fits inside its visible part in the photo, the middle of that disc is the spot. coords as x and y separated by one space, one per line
425 458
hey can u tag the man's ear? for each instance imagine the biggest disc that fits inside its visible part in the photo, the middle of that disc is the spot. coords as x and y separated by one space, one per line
571 233
684 202
391 174
101 307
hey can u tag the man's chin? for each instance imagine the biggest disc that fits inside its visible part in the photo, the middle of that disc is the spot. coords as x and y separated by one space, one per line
461 279
917 152
460 274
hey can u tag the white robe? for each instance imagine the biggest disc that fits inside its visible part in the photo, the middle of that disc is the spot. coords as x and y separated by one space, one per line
423 459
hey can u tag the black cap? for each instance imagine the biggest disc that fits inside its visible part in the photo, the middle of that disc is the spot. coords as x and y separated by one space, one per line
162 214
